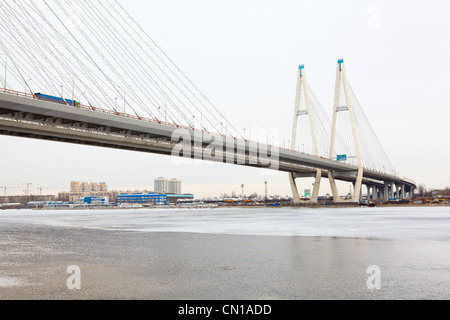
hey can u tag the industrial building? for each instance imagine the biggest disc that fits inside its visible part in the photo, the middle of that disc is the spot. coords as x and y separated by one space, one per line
93 201
153 198
140 198
24 200
176 198
46 204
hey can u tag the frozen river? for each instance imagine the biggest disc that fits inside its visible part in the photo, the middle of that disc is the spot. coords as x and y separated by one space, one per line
397 223
227 253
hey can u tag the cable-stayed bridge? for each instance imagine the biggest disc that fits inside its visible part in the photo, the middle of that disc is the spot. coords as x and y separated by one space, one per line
125 93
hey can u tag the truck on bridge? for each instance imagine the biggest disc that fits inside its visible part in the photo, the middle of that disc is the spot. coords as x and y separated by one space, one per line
47 97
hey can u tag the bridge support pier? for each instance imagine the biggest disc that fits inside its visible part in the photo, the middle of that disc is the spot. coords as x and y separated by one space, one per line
388 191
334 189
373 192
294 189
400 194
316 190
411 192
357 197
360 198
358 193
401 191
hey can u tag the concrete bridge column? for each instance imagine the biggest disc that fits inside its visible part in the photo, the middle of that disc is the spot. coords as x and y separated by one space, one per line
374 191
399 191
295 193
392 194
404 191
386 192
334 189
411 192
355 191
375 194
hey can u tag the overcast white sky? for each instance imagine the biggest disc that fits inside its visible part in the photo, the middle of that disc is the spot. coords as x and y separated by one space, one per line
244 54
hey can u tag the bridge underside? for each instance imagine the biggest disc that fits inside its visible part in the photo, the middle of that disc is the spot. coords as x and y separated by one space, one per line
49 129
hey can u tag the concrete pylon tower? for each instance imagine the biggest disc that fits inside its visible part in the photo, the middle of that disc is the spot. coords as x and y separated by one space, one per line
342 83
303 88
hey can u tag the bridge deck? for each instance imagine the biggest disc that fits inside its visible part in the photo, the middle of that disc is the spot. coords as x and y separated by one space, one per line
24 116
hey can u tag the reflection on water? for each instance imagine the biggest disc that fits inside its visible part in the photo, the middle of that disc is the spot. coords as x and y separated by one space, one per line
428 223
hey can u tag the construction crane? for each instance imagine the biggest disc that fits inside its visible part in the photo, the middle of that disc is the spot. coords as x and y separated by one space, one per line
40 190
5 188
27 191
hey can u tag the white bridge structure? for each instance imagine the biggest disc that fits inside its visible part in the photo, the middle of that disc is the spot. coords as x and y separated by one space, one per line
348 138
125 93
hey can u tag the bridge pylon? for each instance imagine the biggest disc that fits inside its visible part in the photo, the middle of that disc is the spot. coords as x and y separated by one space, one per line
306 110
342 94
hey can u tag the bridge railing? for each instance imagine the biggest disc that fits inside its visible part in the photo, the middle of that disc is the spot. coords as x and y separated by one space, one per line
17 93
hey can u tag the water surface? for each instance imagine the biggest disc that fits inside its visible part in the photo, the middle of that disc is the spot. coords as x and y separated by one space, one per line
397 223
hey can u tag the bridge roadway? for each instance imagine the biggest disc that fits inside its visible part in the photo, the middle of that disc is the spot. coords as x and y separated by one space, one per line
22 115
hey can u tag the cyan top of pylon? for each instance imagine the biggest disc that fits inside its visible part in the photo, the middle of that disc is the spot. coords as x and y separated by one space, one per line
301 68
